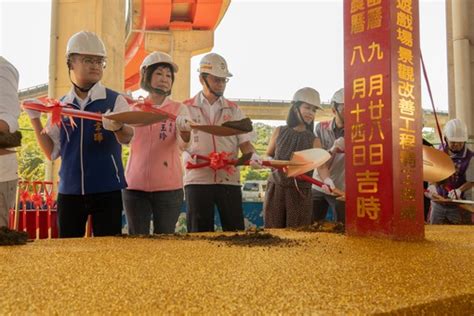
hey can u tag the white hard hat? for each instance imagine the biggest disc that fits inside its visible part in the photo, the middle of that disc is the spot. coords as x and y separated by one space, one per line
85 43
157 58
455 131
338 96
215 65
308 95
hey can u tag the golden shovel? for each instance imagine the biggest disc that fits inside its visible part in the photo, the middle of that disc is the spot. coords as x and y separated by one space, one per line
137 118
300 162
437 165
306 160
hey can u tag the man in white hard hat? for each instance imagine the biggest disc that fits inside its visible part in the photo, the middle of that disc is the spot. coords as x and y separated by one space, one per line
330 135
458 186
9 113
206 188
91 175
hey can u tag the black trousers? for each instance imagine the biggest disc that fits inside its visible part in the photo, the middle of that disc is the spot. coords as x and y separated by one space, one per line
105 208
201 200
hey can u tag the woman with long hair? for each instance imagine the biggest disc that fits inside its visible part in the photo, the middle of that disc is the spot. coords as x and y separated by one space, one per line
288 200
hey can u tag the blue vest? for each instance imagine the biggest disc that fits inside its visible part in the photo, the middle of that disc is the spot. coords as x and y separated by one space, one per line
91 156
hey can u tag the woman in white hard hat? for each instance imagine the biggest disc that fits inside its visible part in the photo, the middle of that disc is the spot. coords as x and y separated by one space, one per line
154 171
287 200
206 188
458 186
91 175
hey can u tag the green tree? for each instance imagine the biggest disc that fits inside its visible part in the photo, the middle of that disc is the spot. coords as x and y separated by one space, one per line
30 157
264 133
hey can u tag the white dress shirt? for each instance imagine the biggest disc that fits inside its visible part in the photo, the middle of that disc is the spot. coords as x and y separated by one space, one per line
9 112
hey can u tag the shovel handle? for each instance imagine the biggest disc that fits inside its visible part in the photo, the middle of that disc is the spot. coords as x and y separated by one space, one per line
146 108
318 183
64 111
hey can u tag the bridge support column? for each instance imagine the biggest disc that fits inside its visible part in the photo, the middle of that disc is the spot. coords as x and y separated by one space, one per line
463 65
181 45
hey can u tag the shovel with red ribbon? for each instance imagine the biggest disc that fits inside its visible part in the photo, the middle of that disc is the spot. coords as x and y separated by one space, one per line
58 109
300 163
304 161
230 128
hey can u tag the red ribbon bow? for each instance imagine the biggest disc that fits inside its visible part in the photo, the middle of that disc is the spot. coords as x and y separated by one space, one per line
215 161
221 161
24 196
37 199
49 200
56 112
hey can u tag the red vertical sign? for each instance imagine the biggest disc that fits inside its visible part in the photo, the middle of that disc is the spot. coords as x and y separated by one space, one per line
384 192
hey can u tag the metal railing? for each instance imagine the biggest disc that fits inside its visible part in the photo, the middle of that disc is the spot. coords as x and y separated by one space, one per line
30 92
42 89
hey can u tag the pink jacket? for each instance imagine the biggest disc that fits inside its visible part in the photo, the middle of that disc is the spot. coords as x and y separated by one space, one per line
155 158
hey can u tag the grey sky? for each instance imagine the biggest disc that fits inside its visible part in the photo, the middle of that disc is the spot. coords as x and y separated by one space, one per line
272 47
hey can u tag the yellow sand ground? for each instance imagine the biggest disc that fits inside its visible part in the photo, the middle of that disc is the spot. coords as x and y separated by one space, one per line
318 273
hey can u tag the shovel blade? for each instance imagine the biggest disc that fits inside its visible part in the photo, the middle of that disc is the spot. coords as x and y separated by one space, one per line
137 118
313 158
437 165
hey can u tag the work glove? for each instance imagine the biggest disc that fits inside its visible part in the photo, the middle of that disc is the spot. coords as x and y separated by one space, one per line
338 146
328 185
255 161
430 191
109 124
183 124
33 114
455 194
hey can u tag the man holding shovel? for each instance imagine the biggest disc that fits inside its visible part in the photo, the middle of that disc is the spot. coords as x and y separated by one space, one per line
91 175
206 187
457 186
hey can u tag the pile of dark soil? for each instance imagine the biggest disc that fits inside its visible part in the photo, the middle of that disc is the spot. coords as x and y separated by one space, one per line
10 237
244 125
323 227
253 238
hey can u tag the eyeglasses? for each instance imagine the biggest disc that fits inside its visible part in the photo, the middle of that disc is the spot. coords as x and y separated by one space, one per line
101 62
218 79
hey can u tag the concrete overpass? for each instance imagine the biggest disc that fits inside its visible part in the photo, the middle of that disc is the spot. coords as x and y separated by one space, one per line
256 109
